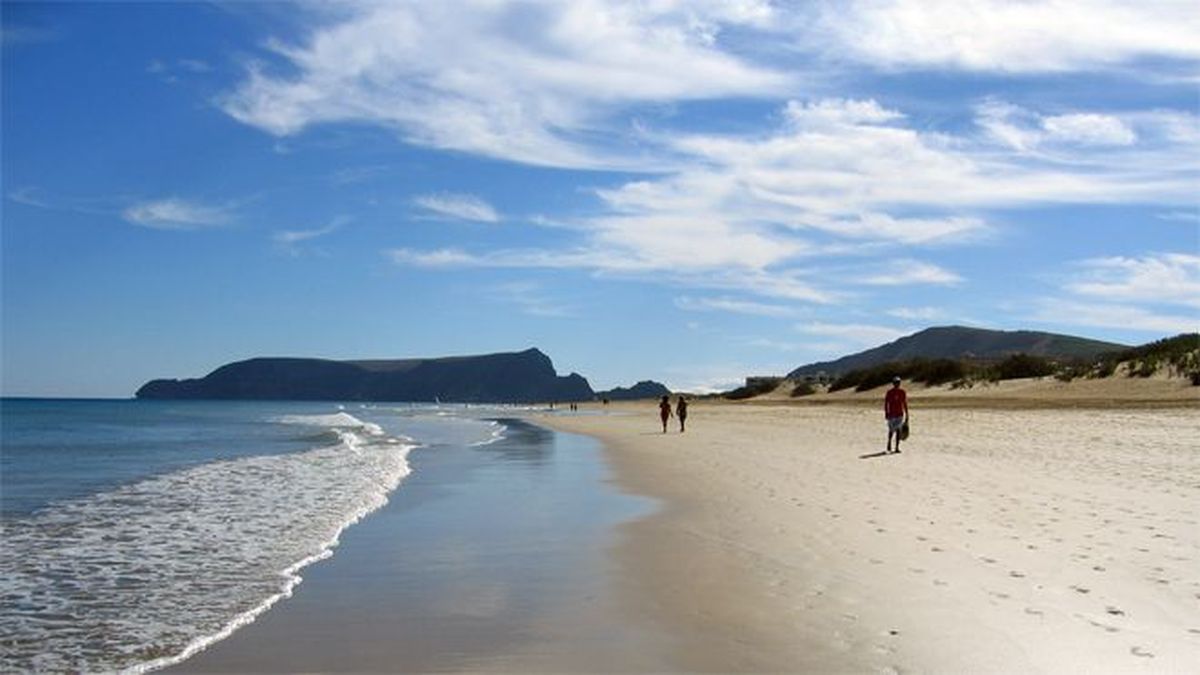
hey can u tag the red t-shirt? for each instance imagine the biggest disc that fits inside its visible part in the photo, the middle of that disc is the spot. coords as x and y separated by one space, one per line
894 402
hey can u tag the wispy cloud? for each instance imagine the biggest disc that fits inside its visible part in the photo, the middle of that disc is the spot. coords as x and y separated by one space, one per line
173 213
1180 216
908 272
1157 293
11 34
917 313
289 241
1114 315
30 196
862 335
538 79
531 298
1169 278
171 71
458 207
736 306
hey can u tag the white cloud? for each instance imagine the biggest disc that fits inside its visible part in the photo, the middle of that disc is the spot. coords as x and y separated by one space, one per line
917 313
537 79
446 257
1180 216
1006 36
1026 130
531 299
1089 129
458 207
289 241
287 237
177 214
30 196
11 34
1153 293
194 65
907 272
1170 278
854 333
1114 315
726 304
837 111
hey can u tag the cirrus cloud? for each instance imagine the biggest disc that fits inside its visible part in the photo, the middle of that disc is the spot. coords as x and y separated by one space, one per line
173 213
458 207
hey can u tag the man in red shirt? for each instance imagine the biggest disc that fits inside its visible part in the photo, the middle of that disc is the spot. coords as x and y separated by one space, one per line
895 411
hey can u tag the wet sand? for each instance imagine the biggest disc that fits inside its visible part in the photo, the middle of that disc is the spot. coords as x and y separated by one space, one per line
489 558
1014 540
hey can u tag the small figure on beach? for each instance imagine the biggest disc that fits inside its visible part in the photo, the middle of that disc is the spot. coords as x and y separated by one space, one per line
895 411
681 413
664 411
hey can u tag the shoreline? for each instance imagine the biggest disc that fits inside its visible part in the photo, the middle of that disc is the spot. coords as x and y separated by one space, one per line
1000 540
491 557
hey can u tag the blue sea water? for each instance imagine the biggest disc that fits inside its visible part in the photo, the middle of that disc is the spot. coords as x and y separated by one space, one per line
135 533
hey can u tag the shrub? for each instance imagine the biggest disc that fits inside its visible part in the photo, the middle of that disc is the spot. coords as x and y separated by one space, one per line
1021 365
750 391
803 389
928 371
1144 368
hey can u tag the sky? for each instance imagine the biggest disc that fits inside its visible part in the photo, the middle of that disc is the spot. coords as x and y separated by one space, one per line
686 191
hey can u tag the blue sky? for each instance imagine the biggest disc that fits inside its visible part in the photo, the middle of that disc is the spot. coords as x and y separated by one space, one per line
685 191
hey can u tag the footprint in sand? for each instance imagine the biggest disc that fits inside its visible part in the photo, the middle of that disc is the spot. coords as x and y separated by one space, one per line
1114 611
1098 568
1138 651
1034 612
1081 589
987 560
1016 575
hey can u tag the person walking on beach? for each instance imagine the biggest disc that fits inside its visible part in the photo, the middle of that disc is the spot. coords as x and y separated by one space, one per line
681 413
664 411
895 411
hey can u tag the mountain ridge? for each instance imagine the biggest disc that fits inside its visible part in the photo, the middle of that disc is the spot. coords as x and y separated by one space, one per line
963 342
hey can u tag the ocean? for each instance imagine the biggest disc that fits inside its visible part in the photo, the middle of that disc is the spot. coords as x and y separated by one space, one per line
137 533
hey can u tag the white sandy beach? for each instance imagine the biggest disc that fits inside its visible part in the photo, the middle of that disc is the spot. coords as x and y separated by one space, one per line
1001 540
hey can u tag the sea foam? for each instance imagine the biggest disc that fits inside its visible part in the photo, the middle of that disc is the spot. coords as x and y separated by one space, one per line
145 575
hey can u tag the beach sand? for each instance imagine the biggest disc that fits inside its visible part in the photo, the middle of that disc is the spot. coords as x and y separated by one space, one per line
1004 538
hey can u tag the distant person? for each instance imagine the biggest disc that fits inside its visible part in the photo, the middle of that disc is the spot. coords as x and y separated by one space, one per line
681 413
664 411
895 411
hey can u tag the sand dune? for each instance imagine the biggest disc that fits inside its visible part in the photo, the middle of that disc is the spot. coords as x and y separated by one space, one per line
999 541
1042 392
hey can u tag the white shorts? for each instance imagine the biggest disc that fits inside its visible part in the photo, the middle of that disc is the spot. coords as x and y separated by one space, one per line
894 423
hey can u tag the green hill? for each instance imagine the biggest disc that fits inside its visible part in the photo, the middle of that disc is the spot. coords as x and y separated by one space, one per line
963 343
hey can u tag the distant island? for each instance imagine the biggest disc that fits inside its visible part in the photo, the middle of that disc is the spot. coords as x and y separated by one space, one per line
638 392
512 377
